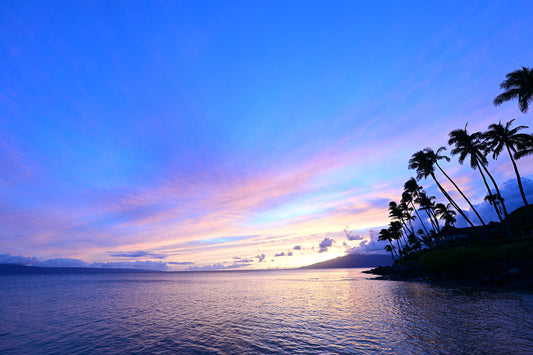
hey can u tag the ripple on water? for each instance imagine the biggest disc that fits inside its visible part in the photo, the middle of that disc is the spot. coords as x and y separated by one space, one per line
298 311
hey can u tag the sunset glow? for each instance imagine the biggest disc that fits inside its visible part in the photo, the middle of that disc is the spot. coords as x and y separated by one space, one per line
217 135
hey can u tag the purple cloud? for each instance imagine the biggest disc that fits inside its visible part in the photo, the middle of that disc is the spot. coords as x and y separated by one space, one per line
325 244
217 266
137 254
351 236
372 246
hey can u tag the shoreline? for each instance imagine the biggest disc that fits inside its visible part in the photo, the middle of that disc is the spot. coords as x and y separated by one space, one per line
511 279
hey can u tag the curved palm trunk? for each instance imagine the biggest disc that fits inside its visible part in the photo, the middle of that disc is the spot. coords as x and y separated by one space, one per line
432 210
490 192
462 194
407 231
497 190
392 250
420 219
411 224
451 200
430 217
517 176
399 248
495 203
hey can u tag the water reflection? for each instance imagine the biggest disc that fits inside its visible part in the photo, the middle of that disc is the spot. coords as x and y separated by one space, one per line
299 311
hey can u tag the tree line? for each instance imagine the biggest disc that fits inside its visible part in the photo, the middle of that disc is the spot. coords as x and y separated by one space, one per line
476 148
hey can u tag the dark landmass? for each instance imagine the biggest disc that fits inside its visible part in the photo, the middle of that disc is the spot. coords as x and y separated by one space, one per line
500 263
352 261
484 256
16 269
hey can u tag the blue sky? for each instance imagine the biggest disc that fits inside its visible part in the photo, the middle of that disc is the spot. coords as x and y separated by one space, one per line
207 130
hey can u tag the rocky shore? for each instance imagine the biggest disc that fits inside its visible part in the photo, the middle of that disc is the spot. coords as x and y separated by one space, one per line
501 276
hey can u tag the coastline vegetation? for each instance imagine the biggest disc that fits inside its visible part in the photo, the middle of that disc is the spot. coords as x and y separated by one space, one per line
436 246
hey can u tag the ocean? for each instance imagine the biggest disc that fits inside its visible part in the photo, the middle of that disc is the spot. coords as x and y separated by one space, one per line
335 311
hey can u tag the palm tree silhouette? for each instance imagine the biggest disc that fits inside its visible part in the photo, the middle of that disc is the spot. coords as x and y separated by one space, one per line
426 204
385 235
499 137
434 157
445 213
424 167
473 146
493 200
410 193
519 84
396 212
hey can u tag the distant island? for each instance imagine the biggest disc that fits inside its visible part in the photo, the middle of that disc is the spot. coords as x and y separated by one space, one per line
17 269
353 261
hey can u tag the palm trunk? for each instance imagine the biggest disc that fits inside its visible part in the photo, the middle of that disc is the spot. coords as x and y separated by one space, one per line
497 191
451 200
436 220
420 219
490 192
498 210
426 209
517 176
411 224
392 250
462 194
399 248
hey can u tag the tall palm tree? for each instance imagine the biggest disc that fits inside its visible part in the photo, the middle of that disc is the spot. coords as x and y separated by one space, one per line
395 232
434 158
499 137
397 214
472 146
410 193
518 84
424 167
407 214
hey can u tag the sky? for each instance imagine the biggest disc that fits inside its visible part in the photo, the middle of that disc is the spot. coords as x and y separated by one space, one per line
200 135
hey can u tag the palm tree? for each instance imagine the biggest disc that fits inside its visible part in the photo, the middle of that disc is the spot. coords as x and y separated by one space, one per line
385 235
410 193
519 84
499 137
390 249
427 239
473 146
493 200
414 242
424 168
396 213
526 148
445 213
426 203
407 214
395 232
434 158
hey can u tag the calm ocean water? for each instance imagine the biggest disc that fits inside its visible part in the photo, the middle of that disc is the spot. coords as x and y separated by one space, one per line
297 311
